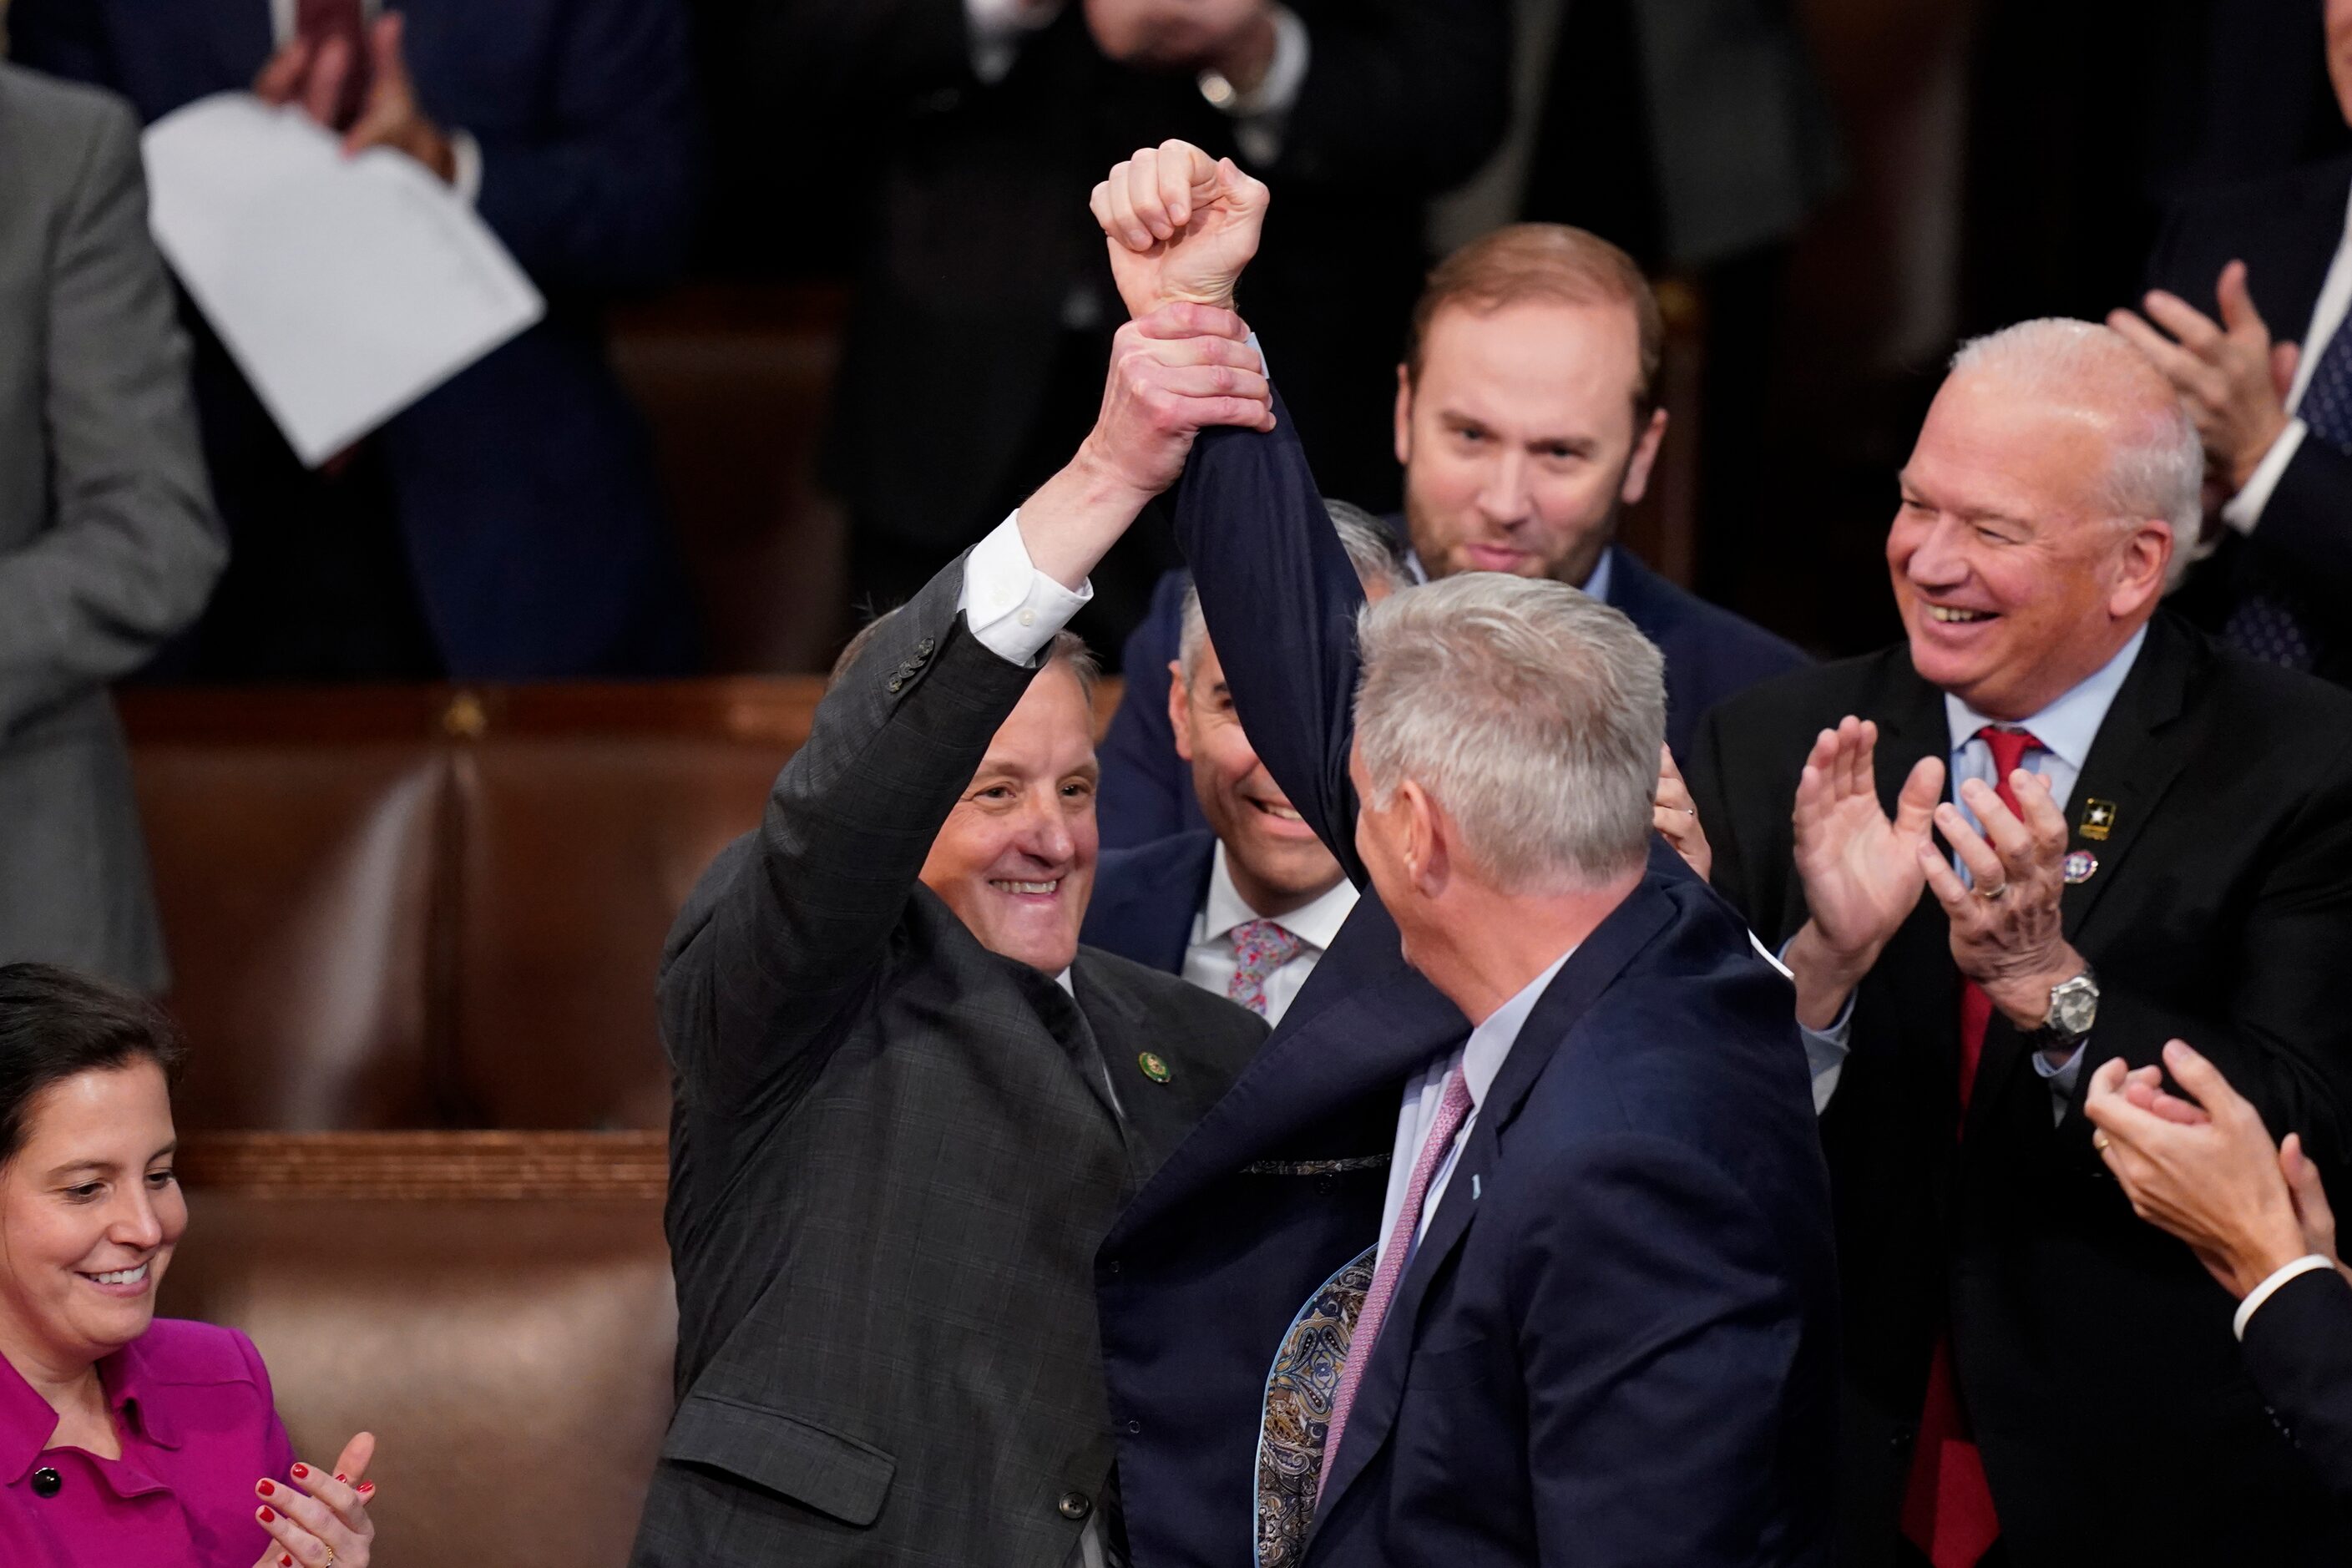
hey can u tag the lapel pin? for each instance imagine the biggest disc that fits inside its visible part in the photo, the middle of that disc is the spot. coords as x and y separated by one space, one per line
2098 819
1153 1067
2081 864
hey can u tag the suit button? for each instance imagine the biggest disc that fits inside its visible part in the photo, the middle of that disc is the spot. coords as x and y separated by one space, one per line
1077 1505
1133 1428
923 648
46 1482
895 682
1112 1266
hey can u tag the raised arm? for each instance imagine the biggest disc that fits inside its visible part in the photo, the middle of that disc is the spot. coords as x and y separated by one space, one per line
793 924
1276 588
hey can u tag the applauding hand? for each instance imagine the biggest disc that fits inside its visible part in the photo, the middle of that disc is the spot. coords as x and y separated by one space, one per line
1181 225
1861 868
322 1519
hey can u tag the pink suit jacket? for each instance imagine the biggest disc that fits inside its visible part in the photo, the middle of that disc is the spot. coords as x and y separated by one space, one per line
193 1405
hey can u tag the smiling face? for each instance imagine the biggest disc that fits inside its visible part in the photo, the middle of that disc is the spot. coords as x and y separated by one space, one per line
1520 437
1015 859
89 1212
1277 862
2014 580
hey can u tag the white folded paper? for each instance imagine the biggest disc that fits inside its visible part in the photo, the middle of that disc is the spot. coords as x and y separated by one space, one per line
345 289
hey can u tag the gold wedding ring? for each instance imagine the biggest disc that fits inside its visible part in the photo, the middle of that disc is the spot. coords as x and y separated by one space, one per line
2099 1141
1996 893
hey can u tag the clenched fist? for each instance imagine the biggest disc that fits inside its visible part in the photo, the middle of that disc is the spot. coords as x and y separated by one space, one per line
1180 225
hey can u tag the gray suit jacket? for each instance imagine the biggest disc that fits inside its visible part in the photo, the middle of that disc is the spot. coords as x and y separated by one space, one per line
893 1156
108 544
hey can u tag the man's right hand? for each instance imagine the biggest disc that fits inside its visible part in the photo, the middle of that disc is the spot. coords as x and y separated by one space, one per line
1860 869
1181 225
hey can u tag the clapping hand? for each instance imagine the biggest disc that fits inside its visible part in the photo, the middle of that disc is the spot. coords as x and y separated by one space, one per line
322 1519
1676 817
2007 928
2230 376
1181 225
1861 868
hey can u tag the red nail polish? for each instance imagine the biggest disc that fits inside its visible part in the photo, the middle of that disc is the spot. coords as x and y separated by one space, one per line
367 1486
341 1476
284 1560
301 1471
267 1516
268 1489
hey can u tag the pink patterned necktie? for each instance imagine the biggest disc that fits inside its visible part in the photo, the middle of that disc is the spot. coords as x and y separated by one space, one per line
1453 1111
1260 947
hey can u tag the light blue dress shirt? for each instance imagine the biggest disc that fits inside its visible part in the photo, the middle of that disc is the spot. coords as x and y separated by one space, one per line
2065 729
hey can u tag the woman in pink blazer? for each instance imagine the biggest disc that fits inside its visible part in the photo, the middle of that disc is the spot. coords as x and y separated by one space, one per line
124 1439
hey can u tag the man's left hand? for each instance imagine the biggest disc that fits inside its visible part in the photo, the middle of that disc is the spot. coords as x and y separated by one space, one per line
2227 372
391 117
1181 225
1676 817
2007 930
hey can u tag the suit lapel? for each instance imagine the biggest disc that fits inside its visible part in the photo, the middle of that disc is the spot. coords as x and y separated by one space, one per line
1594 966
1365 1022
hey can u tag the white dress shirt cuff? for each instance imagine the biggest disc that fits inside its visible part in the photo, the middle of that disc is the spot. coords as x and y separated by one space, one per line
2245 510
1262 110
466 178
2269 1288
996 28
1011 607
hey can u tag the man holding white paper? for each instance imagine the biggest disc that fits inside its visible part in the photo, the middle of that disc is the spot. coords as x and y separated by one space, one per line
503 525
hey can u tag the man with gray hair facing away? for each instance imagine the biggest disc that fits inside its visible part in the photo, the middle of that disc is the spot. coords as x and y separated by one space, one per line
1524 1197
1246 905
2145 839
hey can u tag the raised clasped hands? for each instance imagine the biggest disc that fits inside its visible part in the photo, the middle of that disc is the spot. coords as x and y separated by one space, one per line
2007 928
1861 868
1181 225
2203 1168
320 1517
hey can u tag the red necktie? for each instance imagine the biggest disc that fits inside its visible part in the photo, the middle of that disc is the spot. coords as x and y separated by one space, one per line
1948 1510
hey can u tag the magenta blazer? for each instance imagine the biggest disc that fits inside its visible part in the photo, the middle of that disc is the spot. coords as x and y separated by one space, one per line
192 1403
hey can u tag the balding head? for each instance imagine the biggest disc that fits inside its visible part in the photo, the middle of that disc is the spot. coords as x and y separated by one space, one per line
2040 509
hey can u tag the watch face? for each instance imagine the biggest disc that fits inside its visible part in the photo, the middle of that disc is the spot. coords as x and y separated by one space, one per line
2073 1006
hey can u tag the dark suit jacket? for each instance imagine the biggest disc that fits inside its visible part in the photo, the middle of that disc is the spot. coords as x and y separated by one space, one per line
2220 911
1147 789
109 542
947 410
2299 1349
2286 228
1146 898
892 1157
523 485
1614 1343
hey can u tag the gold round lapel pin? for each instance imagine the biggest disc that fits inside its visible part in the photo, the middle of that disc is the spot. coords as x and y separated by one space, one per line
1153 1067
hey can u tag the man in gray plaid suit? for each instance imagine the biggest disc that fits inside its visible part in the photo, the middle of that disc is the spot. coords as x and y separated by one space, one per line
908 1105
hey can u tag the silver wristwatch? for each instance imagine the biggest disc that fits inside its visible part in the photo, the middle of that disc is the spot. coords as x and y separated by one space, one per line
2074 1006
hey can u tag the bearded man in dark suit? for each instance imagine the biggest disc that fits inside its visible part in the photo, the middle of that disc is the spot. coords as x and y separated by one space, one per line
2145 839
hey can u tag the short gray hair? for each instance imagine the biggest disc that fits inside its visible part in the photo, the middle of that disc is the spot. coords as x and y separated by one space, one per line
1531 711
2157 466
1371 549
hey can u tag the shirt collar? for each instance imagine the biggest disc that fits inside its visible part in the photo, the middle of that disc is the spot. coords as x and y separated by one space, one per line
1490 1042
2067 727
27 1420
1595 587
1316 924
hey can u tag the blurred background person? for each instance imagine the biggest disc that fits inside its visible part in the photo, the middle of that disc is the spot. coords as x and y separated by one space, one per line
124 1439
2246 317
504 526
1244 906
108 544
2143 840
2257 1217
1525 415
984 305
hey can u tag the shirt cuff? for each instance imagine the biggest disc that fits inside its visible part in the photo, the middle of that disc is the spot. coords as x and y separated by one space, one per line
2063 1077
466 178
1011 607
996 28
2245 510
1262 110
2269 1288
1826 1050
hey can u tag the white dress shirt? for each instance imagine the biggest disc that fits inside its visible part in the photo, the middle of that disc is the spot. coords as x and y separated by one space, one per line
465 152
1596 586
2065 729
2245 510
1480 1058
1209 960
2310 1263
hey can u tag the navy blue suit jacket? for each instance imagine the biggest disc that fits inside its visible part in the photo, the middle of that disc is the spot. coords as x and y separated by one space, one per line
1145 898
1147 789
1616 1344
524 485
